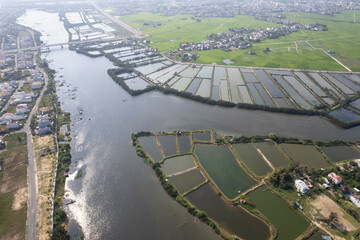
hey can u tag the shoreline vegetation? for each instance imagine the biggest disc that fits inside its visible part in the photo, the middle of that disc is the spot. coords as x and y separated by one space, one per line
324 113
229 141
59 228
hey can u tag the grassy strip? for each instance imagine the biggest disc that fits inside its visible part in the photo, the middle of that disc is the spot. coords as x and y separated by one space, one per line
169 187
13 222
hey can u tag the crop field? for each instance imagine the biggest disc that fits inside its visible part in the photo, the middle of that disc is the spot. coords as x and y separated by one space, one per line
168 32
302 50
13 188
306 155
223 168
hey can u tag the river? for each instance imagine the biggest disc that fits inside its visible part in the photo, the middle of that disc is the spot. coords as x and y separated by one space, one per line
119 197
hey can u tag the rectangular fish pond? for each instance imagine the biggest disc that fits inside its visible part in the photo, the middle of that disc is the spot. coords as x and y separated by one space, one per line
340 153
306 155
168 144
178 164
273 154
252 159
233 219
288 221
223 169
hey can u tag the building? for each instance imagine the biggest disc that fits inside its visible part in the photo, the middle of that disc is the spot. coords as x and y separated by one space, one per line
301 186
13 125
356 200
336 179
357 161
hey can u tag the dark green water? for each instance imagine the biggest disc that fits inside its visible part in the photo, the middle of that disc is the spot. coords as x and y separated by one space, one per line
253 160
232 218
223 168
306 155
289 223
340 153
168 144
273 154
150 146
178 164
187 181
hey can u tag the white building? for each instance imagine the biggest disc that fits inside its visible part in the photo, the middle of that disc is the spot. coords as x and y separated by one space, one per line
301 186
355 200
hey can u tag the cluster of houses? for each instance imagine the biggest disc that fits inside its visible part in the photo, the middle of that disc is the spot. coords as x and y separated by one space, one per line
25 60
304 186
10 42
26 41
7 60
241 38
7 89
43 124
36 78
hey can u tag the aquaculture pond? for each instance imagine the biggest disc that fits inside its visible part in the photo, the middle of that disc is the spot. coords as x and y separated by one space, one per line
184 143
151 147
273 154
194 85
181 84
215 92
325 84
204 88
253 160
306 155
233 219
136 83
288 221
178 164
305 79
245 94
168 144
269 84
340 153
188 180
345 115
356 104
223 168
202 136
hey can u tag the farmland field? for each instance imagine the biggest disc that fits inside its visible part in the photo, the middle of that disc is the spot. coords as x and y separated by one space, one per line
302 49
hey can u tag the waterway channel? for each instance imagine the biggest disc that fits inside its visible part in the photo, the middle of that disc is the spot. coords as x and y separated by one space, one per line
119 197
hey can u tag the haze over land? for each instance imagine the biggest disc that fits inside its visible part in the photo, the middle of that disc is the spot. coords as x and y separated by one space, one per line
179 119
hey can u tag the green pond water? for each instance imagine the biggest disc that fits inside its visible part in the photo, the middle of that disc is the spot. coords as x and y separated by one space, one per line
184 143
150 146
178 164
202 136
288 221
306 155
340 153
223 168
187 181
233 219
250 156
168 144
273 154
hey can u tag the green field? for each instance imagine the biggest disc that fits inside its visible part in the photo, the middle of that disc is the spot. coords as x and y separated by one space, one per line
178 29
13 178
342 37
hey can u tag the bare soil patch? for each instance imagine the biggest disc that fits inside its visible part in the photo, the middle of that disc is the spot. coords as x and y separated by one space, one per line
325 206
20 199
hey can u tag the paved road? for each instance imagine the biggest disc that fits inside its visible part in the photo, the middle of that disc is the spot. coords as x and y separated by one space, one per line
32 216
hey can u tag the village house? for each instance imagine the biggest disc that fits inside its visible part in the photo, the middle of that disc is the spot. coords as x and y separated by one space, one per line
336 179
301 186
13 125
355 199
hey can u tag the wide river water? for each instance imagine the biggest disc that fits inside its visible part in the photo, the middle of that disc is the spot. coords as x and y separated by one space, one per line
119 197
